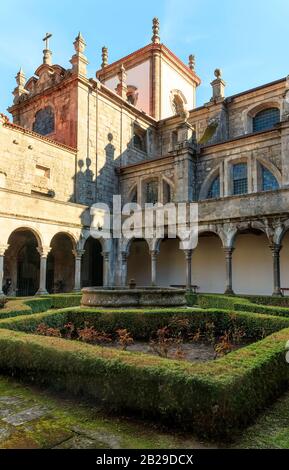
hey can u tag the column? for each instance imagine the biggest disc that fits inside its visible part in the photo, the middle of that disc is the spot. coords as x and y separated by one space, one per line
188 255
229 282
77 270
105 255
3 248
123 268
154 255
275 248
43 265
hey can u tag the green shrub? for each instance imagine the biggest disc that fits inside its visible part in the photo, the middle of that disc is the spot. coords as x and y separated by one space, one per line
239 304
142 323
212 399
2 301
24 306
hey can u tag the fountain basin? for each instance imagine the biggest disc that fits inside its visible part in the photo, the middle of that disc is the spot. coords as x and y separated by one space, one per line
115 297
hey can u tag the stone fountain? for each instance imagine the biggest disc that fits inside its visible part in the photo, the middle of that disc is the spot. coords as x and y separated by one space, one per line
132 296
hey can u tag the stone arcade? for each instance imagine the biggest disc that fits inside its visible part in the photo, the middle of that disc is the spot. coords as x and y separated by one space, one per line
135 130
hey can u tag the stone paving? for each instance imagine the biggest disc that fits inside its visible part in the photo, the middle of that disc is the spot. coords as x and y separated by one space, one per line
33 418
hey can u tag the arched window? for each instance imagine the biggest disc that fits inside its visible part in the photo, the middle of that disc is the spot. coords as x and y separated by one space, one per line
266 119
240 180
44 121
214 190
152 192
133 195
139 139
269 182
167 193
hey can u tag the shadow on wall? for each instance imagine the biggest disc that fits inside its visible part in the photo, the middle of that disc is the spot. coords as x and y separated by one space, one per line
89 187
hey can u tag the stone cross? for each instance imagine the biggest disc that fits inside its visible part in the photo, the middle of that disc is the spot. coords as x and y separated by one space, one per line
46 40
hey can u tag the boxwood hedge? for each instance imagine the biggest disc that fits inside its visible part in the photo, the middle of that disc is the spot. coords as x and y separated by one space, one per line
142 323
213 399
248 304
24 306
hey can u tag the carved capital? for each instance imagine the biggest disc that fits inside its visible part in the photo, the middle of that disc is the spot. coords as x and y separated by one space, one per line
275 249
228 251
105 255
44 251
3 249
188 254
78 253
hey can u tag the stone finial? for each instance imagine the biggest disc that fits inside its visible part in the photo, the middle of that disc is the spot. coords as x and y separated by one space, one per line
47 54
192 62
20 78
20 89
122 75
218 86
218 73
78 60
121 88
79 44
156 31
104 56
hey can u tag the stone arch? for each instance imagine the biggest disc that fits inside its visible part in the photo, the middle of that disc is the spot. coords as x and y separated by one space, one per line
212 229
166 181
250 112
252 260
270 167
133 189
22 261
138 261
71 236
208 182
171 262
44 120
27 228
92 263
208 261
61 263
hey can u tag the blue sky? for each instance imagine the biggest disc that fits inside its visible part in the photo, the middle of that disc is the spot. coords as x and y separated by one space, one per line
248 39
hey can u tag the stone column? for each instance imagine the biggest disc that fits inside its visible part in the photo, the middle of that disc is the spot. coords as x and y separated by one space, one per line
229 281
43 265
77 271
188 255
275 248
3 248
123 268
106 259
154 255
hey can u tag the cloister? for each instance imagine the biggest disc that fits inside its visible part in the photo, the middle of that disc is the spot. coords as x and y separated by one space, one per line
245 259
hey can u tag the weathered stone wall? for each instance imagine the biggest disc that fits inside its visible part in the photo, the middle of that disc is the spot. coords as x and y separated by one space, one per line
34 165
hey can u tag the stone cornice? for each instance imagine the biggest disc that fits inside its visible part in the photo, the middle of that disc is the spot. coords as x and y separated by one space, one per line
35 135
245 139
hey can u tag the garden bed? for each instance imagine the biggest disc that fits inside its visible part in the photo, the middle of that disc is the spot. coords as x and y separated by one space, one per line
213 399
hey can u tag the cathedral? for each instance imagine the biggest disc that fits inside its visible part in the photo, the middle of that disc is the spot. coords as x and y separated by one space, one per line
135 130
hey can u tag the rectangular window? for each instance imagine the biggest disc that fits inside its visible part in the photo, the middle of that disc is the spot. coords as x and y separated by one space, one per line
152 192
240 179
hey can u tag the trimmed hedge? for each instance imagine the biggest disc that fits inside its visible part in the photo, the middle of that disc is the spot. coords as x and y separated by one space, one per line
239 304
25 306
213 399
142 323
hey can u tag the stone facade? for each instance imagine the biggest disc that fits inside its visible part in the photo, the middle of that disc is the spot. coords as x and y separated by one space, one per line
113 135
